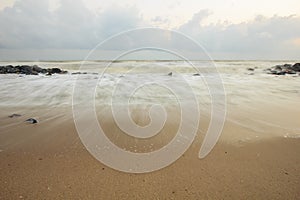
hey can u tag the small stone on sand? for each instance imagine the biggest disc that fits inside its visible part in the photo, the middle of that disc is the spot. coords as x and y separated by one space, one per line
14 115
32 121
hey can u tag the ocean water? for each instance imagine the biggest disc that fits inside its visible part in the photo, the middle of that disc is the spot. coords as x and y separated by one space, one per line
240 85
145 83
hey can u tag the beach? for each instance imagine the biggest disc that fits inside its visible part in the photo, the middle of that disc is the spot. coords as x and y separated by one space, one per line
256 157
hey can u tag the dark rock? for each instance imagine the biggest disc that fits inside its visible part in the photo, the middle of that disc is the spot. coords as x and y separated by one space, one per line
49 74
278 67
10 69
26 69
75 73
2 70
197 74
14 115
34 73
296 67
281 73
287 65
284 69
250 69
54 71
32 121
290 72
170 74
275 72
37 69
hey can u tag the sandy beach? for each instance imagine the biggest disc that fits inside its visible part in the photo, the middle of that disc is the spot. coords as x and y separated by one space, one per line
257 156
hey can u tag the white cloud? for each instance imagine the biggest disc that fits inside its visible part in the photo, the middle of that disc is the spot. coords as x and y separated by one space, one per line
73 26
259 36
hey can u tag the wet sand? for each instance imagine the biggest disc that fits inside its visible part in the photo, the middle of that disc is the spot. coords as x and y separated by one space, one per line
48 161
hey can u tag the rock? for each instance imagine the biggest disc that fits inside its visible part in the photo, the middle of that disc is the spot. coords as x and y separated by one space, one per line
287 65
75 73
34 73
26 69
197 74
281 73
14 115
284 69
296 67
10 69
250 69
54 71
32 121
37 69
170 74
274 72
278 67
290 72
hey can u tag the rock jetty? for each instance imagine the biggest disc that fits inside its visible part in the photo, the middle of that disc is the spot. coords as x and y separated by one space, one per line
29 70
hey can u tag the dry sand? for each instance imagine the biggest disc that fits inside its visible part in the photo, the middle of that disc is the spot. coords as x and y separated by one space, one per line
48 161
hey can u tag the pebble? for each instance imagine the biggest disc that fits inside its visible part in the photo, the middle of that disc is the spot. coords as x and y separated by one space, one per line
32 121
14 115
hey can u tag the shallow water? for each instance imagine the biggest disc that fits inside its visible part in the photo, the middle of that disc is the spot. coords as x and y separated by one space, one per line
144 83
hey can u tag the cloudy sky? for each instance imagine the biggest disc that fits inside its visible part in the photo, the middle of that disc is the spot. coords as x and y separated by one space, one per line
227 29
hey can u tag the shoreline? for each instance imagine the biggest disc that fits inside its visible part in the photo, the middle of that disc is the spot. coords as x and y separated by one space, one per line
256 157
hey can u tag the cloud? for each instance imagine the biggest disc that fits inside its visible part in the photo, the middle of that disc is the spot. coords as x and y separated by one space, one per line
73 26
259 36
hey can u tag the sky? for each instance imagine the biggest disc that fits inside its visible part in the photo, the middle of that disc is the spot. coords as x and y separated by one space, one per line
227 29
